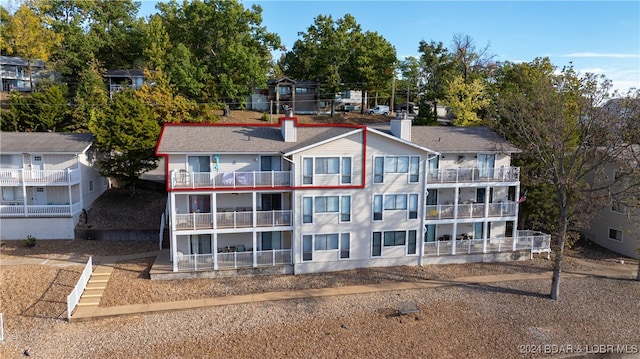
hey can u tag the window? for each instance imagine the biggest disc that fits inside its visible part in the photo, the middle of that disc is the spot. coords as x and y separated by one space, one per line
430 235
394 238
271 241
619 207
328 204
325 242
396 164
377 207
307 210
615 234
199 163
414 169
345 245
90 185
307 171
345 210
395 202
201 244
376 248
378 170
413 206
486 163
327 165
346 170
284 90
307 248
411 248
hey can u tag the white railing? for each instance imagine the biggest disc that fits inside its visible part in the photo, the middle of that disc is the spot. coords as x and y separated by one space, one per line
74 297
472 210
536 242
17 177
227 260
250 179
235 219
51 210
473 175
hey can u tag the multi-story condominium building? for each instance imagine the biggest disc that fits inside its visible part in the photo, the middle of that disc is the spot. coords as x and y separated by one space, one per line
14 73
46 180
313 198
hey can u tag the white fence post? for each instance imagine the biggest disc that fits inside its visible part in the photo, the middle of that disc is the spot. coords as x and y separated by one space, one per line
1 329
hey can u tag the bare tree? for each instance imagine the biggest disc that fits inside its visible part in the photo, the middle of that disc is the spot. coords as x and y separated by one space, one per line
567 138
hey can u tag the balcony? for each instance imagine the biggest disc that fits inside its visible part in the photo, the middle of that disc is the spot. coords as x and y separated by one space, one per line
473 175
229 180
536 242
234 260
18 209
473 210
235 219
19 177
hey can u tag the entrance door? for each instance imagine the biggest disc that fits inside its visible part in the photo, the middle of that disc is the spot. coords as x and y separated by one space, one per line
37 167
39 196
271 201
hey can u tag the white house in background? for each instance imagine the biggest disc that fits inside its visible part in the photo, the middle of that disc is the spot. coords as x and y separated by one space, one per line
14 73
46 180
295 198
616 226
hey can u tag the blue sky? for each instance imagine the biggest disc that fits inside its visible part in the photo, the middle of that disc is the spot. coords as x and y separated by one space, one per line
597 37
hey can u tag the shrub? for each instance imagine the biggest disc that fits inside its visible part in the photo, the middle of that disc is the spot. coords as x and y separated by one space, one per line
30 241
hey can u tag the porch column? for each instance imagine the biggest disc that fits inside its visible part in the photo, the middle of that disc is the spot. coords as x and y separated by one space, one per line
455 222
255 246
215 250
174 244
214 211
254 213
514 234
70 195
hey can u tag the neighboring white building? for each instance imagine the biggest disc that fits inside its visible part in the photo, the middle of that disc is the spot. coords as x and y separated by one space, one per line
616 226
46 180
14 73
294 198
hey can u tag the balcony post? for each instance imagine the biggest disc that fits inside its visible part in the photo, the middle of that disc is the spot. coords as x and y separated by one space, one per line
255 246
215 250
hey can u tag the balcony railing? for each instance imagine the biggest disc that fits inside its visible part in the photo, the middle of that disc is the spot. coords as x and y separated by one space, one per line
195 262
191 221
185 179
470 210
473 175
18 177
53 210
536 242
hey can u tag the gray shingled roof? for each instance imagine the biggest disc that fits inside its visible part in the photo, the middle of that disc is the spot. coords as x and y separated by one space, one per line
449 139
44 142
239 139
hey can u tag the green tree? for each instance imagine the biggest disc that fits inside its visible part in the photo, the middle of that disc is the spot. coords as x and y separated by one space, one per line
91 96
228 49
43 110
436 71
465 99
558 122
127 133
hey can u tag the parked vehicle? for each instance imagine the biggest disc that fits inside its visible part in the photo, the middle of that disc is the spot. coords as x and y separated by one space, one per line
379 110
408 107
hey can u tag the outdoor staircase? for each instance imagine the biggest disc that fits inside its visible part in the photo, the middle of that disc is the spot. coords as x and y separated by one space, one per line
96 286
166 238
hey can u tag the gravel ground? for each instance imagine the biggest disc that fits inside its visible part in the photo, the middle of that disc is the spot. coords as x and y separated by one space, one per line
502 320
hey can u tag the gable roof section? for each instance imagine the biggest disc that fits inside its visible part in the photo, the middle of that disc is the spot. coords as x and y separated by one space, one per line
223 138
124 73
449 139
44 142
390 136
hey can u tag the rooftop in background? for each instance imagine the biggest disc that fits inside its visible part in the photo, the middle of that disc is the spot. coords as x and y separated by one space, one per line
44 142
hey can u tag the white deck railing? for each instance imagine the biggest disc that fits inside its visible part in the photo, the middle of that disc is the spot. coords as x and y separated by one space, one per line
227 260
473 175
50 210
18 177
74 297
536 242
472 210
235 219
186 179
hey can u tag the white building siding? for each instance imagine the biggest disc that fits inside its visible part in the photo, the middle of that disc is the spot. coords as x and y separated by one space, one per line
41 228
